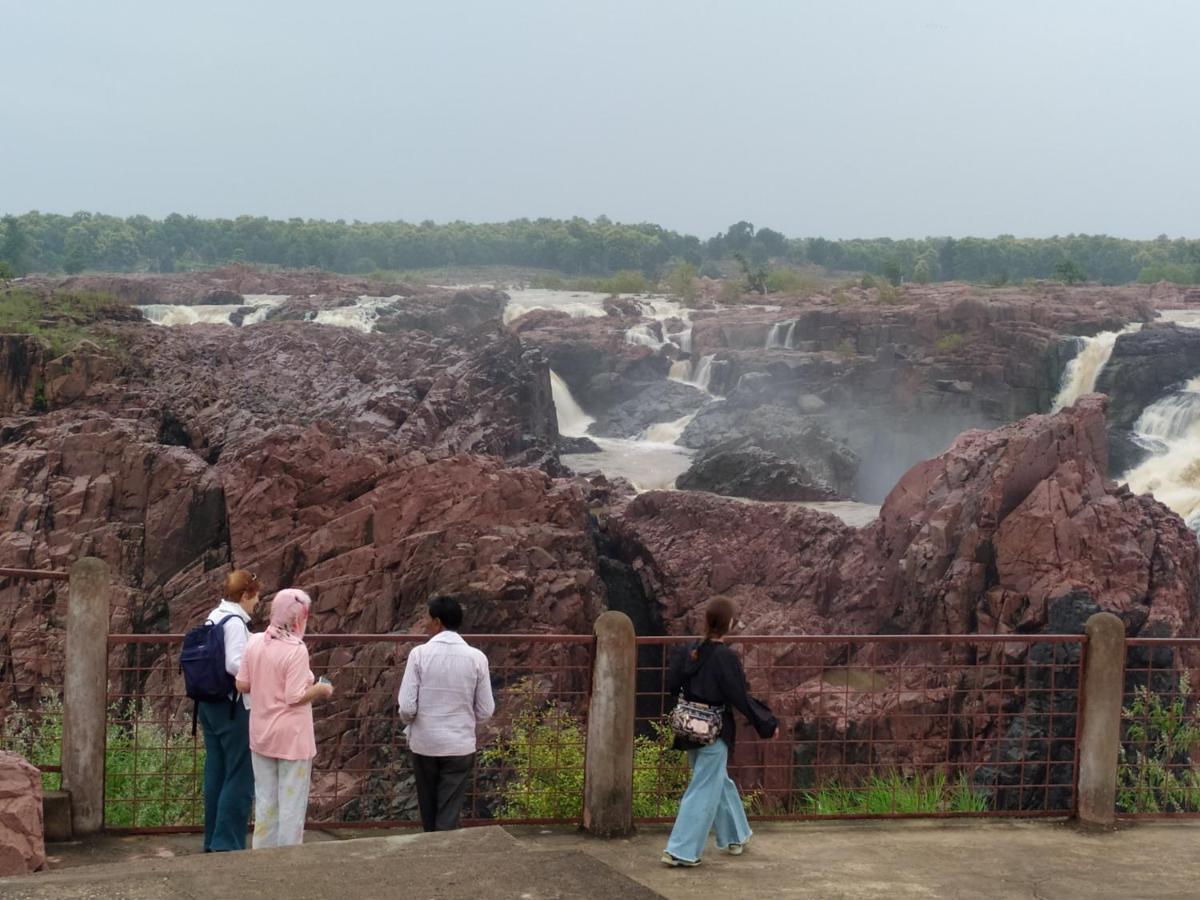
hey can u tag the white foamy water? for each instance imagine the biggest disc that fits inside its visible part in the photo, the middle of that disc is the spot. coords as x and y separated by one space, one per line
172 314
362 316
643 335
858 515
651 463
1084 370
780 335
648 466
579 304
1170 428
572 420
667 432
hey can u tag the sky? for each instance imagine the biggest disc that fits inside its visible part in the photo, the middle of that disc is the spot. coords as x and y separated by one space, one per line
840 118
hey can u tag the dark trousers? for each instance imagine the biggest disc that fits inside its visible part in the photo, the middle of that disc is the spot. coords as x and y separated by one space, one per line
228 776
441 787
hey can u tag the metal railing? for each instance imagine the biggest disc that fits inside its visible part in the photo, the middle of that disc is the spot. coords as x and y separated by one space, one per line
898 725
1157 775
529 769
32 641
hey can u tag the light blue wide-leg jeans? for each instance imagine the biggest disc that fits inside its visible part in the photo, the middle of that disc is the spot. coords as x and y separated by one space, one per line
711 800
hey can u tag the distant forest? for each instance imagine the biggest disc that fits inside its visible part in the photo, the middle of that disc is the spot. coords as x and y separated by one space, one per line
40 242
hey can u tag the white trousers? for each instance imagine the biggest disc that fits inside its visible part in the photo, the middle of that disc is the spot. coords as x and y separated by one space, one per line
280 800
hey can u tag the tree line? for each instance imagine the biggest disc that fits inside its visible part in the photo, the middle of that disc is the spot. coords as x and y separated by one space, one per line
44 242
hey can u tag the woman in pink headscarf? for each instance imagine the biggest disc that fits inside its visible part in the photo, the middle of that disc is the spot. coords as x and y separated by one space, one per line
275 674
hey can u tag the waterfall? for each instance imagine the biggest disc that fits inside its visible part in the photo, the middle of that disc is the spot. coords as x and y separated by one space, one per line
667 432
1172 474
572 420
1083 371
682 339
361 316
780 335
702 376
643 336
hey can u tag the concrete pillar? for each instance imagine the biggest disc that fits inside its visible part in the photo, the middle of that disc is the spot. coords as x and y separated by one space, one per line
85 693
608 778
1100 737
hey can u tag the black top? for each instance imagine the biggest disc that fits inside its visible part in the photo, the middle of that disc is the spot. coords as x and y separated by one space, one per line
716 678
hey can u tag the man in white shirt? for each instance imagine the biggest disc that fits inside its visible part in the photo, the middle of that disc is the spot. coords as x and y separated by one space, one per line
446 691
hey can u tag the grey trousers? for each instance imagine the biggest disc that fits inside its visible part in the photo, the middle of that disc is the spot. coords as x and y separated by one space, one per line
441 787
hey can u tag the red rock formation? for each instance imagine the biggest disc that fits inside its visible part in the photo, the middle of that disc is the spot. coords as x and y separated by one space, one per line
22 850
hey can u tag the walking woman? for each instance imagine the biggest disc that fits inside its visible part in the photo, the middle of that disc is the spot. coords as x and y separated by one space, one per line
276 675
228 776
709 672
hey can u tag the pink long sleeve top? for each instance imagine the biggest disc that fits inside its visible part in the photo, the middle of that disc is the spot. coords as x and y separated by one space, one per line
278 675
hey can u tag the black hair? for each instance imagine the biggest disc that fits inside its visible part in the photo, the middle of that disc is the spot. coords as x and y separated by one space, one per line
448 611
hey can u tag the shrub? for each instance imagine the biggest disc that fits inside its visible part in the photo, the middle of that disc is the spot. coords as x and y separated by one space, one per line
1156 773
153 769
731 292
792 282
681 281
543 755
949 343
846 348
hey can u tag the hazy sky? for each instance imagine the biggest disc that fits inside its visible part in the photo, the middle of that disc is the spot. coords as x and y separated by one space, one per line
836 118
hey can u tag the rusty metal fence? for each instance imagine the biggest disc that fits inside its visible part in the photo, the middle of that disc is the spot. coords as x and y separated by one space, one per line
529 770
890 726
32 640
1158 774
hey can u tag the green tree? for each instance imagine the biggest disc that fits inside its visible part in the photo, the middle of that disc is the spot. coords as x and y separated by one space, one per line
15 246
921 271
756 277
1069 271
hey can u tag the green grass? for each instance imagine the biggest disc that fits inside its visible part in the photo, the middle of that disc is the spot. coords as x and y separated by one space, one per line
59 321
895 793
153 771
948 343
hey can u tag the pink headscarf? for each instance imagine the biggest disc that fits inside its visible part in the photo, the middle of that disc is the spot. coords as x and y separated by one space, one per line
289 615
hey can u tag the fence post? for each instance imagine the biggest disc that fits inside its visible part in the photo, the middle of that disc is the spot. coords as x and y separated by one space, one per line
85 693
608 770
1100 738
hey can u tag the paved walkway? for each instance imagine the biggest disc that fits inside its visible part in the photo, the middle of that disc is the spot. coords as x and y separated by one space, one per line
831 861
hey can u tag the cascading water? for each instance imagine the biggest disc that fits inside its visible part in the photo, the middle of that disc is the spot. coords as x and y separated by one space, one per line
1083 371
651 463
170 314
1171 428
702 376
362 316
667 432
643 336
572 420
780 335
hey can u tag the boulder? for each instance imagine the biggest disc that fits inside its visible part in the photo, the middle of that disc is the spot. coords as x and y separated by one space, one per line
740 469
22 848
659 401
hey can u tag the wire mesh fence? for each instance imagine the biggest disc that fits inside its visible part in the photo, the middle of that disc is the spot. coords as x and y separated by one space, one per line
32 639
529 769
884 726
1159 768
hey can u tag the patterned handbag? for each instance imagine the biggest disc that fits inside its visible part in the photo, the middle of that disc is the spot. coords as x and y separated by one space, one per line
695 721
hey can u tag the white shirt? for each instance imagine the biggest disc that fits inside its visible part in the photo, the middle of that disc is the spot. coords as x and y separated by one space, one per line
445 692
237 630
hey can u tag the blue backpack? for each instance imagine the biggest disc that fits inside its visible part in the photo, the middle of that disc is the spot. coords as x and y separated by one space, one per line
202 661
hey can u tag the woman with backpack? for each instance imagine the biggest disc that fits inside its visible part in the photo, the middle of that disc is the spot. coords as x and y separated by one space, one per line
282 689
708 678
228 775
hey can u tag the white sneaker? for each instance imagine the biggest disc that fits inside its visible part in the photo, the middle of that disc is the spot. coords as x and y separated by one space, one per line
737 849
669 860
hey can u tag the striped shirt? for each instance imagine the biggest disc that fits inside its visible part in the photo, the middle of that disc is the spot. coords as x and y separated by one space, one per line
445 692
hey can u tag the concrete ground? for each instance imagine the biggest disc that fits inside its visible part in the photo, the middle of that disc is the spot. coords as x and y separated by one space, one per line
833 861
